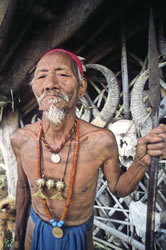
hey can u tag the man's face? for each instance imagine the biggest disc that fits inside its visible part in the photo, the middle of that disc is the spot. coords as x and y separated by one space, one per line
56 82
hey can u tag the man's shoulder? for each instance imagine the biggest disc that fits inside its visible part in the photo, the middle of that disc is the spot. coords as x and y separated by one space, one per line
21 135
96 133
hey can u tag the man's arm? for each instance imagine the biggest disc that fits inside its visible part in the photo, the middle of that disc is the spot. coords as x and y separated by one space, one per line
151 145
22 198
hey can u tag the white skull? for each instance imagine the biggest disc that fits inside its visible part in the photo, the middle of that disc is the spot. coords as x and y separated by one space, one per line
125 133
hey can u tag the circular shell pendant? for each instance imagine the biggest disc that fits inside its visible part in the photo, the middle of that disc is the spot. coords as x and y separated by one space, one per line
55 158
57 232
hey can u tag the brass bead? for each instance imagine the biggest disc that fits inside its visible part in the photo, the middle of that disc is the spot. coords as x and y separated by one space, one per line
50 184
41 182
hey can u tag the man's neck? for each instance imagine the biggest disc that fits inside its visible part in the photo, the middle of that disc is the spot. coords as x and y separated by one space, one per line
57 132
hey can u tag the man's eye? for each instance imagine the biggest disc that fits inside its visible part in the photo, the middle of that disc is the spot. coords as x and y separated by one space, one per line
42 76
65 75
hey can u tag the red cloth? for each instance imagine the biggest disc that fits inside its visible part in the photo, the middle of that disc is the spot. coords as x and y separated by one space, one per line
73 56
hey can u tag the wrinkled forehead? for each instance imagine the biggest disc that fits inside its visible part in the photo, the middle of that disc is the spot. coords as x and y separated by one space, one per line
56 59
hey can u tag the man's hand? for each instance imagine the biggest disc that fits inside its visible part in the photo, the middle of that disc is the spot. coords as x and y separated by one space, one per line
153 144
160 148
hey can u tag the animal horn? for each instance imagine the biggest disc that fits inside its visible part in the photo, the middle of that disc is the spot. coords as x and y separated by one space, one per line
139 113
113 95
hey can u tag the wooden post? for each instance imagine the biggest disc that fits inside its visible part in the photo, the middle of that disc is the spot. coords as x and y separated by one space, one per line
7 126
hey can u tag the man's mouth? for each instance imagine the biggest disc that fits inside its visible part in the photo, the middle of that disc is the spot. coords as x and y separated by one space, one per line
53 98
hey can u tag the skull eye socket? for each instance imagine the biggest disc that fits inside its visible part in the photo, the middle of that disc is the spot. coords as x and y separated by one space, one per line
128 158
123 142
162 106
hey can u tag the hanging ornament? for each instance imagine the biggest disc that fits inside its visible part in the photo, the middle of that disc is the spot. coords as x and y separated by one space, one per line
57 232
50 183
55 158
40 183
60 185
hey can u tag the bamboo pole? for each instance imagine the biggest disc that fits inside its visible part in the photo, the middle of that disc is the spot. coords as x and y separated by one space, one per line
119 235
7 128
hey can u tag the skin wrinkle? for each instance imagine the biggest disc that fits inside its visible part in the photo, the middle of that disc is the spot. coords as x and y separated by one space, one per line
37 95
78 75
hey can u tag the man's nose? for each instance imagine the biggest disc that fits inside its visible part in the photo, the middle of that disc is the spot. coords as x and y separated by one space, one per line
51 82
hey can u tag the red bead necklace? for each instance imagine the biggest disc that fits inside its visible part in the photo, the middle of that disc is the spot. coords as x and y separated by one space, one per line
55 158
57 226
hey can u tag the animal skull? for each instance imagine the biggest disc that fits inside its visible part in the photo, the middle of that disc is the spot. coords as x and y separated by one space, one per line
125 133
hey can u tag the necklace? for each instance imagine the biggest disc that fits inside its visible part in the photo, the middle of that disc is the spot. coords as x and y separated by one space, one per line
55 157
59 184
57 226
50 183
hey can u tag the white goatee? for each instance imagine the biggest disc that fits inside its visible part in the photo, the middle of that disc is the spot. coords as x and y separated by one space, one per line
55 115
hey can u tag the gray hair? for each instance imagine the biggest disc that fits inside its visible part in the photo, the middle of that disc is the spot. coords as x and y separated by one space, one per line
79 76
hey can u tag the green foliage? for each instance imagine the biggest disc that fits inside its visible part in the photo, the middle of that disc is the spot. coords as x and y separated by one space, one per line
8 241
3 181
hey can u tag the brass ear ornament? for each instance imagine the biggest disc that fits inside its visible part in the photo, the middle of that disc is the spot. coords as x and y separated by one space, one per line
40 183
60 185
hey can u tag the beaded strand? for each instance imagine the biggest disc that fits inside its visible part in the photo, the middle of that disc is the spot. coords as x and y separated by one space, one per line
70 191
58 149
38 152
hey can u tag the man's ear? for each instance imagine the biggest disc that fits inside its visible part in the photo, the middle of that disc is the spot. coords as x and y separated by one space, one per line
82 88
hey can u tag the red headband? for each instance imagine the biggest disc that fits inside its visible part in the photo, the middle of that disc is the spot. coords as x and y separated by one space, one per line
73 56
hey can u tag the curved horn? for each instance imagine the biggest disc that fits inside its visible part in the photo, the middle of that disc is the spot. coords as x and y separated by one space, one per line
113 95
84 113
162 109
140 116
34 119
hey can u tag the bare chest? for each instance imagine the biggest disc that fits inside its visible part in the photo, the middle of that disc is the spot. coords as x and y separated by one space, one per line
88 163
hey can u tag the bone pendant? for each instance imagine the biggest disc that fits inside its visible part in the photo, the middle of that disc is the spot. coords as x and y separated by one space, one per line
55 158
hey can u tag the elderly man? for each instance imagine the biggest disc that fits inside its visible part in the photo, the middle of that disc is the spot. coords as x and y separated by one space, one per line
59 158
